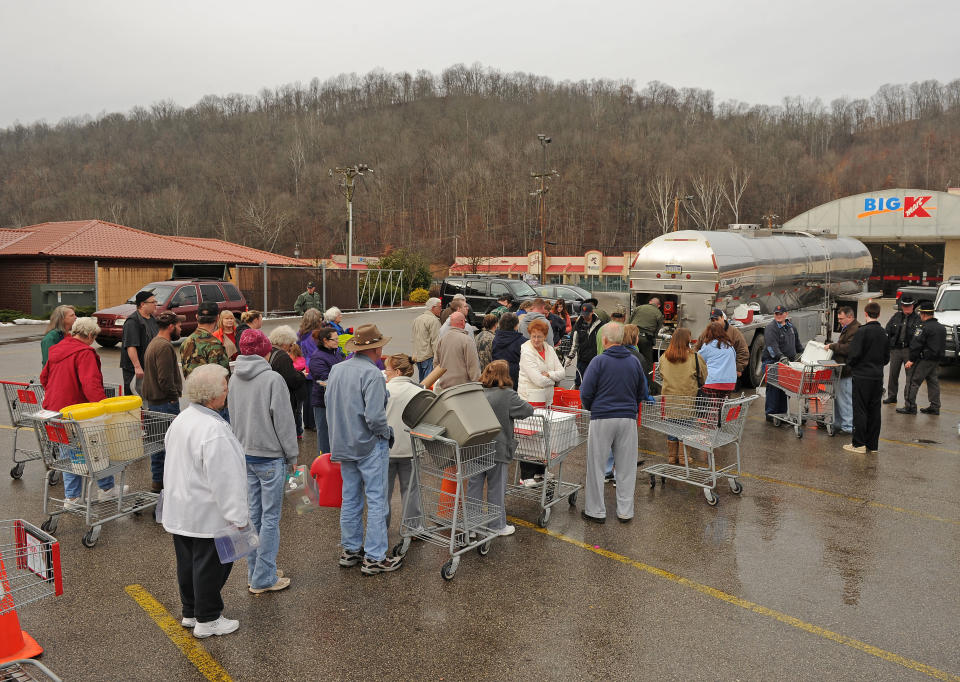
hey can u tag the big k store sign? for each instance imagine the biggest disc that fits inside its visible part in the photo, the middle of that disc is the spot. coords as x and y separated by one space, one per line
913 234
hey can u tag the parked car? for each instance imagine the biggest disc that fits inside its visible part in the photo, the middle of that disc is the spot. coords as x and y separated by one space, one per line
179 296
482 293
572 295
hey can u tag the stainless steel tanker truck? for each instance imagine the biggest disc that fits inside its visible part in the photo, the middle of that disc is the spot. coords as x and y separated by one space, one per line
747 272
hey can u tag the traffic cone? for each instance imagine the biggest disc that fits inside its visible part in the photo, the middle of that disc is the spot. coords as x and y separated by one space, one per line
14 642
448 494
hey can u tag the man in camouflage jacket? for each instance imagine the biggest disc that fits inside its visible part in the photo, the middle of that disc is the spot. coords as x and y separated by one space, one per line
202 347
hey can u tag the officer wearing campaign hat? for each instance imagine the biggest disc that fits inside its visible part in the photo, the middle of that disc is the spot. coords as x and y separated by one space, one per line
308 299
900 330
781 342
927 348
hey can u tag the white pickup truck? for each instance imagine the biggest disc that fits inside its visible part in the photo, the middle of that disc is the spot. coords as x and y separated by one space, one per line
947 308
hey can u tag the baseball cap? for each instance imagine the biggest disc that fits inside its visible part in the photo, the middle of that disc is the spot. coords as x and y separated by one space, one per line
208 309
505 297
907 300
716 313
166 318
780 309
586 308
142 296
311 285
926 307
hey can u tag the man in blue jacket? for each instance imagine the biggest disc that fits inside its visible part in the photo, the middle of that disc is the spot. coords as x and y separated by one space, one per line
612 389
781 343
360 440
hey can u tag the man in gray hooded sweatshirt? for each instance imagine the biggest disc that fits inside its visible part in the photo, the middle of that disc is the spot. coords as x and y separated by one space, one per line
263 423
537 311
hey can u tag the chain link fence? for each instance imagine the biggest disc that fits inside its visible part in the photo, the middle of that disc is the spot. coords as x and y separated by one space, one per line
274 289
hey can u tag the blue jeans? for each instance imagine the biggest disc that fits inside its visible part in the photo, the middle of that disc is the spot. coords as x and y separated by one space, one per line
365 475
608 469
843 405
323 433
265 497
157 459
73 484
424 368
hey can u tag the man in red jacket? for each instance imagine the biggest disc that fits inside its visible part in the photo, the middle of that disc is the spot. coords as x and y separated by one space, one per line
72 375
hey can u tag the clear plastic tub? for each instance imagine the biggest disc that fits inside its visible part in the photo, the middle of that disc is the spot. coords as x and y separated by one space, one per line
93 455
124 429
234 543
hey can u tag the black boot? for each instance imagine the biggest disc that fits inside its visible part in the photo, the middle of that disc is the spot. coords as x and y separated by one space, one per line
906 410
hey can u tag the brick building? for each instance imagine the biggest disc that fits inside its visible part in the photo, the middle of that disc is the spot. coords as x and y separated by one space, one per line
92 262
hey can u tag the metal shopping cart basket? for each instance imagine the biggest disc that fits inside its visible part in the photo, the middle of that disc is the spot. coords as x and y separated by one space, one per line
811 392
95 451
703 424
547 438
447 516
23 399
29 571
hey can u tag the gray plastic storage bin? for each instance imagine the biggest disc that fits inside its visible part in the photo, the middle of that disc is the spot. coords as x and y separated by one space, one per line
462 410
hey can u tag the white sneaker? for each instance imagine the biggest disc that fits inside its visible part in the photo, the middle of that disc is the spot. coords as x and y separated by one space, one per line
111 494
220 626
72 503
189 622
507 530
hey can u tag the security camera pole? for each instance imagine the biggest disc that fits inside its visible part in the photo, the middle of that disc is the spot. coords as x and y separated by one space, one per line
347 187
541 194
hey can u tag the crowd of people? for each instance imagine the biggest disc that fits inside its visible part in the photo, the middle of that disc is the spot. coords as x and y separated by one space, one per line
251 396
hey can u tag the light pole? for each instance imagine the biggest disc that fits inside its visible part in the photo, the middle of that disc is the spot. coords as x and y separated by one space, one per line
347 186
541 194
676 207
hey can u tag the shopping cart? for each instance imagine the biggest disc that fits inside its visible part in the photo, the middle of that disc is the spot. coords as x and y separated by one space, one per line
29 571
703 424
448 517
547 438
19 670
24 399
811 392
95 451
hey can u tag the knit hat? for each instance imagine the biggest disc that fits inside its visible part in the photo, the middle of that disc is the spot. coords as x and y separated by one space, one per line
254 342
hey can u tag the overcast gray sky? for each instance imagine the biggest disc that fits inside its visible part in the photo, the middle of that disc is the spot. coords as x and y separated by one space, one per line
61 59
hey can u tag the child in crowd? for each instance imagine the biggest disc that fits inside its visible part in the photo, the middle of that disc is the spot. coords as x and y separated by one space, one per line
301 397
507 405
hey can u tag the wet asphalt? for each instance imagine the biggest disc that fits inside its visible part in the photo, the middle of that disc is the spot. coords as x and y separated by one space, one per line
828 565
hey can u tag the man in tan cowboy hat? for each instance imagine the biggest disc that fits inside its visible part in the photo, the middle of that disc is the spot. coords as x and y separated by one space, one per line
360 441
457 353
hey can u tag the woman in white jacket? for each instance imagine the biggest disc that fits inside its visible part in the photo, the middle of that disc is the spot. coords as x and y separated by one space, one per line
540 370
401 388
204 492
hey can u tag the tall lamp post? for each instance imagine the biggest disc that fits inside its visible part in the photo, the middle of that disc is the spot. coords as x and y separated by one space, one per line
347 185
676 208
541 194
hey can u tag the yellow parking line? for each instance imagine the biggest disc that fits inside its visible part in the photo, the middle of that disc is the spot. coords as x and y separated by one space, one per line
751 606
188 644
830 493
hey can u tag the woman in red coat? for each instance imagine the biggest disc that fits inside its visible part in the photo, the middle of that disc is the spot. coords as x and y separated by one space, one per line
72 375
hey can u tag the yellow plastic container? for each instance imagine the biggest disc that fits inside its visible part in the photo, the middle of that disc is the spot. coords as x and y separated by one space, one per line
87 451
123 427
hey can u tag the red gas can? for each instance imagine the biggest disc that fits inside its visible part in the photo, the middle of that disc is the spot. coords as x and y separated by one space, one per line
329 481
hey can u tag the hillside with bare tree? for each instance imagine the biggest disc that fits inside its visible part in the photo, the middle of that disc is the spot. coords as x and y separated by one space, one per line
452 156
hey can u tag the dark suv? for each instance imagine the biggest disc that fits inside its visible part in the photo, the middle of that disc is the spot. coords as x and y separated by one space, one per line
482 293
179 296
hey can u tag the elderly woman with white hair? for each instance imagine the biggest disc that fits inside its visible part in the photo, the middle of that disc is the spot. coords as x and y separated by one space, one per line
283 339
72 375
333 317
204 492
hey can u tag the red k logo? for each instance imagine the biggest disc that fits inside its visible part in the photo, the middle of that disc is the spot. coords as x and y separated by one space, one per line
913 207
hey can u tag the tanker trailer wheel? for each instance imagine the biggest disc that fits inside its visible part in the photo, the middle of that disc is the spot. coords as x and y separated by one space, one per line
755 366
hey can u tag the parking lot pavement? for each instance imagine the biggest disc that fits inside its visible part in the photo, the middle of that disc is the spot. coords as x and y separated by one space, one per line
828 565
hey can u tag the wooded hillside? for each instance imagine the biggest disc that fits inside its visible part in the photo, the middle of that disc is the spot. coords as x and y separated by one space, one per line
452 155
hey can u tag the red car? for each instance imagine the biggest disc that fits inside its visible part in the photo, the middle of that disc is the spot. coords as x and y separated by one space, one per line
179 296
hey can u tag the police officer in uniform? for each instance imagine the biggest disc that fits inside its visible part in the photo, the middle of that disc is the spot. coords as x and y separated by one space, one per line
926 350
900 330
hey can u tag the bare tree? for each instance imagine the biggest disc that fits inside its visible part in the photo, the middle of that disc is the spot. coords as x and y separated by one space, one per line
662 192
704 208
739 177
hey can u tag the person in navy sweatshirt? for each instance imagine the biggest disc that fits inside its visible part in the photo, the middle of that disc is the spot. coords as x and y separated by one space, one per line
613 388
